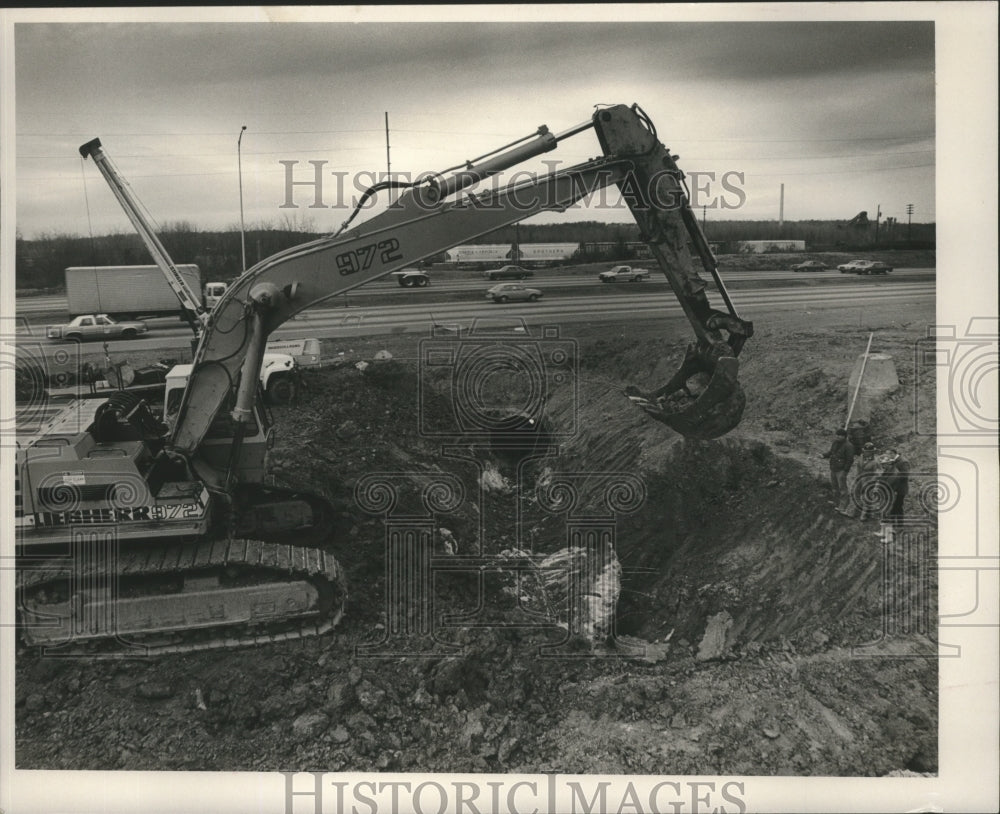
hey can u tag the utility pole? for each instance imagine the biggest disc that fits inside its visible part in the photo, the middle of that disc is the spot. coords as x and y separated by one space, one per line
388 165
909 222
239 164
878 216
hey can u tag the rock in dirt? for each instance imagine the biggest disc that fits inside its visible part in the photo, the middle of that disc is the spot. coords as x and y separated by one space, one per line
347 431
383 356
458 674
370 697
713 643
820 637
493 481
422 699
506 748
154 690
309 724
341 695
448 541
340 735
596 574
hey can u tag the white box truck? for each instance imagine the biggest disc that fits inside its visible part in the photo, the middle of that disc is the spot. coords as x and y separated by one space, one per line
125 292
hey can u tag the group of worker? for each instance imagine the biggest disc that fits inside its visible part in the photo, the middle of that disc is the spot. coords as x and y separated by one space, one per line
878 490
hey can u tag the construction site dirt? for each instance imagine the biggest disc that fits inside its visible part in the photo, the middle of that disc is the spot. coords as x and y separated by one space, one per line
756 632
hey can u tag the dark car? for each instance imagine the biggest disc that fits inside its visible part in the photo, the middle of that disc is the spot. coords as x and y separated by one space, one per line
508 273
810 265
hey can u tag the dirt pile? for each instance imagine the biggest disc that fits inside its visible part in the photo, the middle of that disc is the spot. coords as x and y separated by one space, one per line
742 596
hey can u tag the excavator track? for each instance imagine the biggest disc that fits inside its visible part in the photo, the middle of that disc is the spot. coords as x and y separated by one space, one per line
181 598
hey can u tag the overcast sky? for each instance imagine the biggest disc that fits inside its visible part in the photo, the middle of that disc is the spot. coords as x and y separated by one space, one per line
841 113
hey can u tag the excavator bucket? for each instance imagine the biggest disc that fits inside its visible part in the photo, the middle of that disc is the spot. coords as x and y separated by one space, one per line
703 400
699 402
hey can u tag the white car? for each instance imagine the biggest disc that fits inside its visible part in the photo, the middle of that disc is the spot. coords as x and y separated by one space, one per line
96 326
864 267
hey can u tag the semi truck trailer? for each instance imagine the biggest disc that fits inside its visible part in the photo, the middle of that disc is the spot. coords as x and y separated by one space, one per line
125 292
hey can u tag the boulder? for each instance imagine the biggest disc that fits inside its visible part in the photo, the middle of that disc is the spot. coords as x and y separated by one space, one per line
879 382
713 644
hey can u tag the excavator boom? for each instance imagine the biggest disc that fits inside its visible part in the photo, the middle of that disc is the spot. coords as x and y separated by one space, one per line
432 217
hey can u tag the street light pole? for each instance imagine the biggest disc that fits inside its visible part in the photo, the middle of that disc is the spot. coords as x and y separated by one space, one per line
239 164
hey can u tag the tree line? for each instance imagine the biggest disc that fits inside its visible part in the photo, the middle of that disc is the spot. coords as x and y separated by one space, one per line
40 261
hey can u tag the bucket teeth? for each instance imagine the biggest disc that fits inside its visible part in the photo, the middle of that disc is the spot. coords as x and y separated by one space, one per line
716 411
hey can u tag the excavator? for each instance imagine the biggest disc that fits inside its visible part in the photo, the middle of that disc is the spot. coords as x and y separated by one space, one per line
162 533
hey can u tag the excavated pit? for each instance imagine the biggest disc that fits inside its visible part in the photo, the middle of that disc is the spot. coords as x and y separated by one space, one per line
746 589
700 528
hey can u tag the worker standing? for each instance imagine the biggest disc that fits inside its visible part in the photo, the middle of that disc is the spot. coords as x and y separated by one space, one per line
864 492
841 456
896 476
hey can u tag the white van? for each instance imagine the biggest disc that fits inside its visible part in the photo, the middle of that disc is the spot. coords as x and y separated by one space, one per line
213 293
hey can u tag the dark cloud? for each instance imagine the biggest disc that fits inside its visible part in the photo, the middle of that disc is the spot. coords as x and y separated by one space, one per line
178 53
807 99
756 50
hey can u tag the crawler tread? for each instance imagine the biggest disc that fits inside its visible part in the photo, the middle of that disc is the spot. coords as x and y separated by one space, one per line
279 560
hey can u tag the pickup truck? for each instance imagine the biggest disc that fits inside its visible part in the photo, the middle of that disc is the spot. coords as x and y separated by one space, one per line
408 278
96 326
623 274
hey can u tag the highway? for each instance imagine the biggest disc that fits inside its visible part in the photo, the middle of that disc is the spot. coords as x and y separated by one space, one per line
636 302
462 281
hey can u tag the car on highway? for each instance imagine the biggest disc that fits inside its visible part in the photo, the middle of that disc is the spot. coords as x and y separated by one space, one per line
864 267
96 326
810 265
512 292
508 273
623 274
